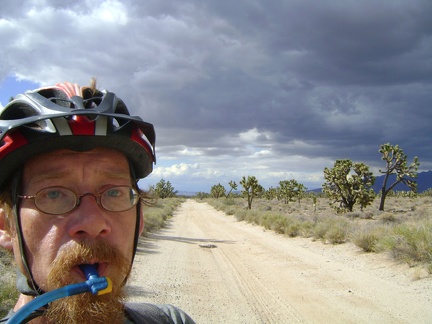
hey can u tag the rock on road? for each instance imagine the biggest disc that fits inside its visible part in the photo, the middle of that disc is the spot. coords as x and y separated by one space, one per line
220 270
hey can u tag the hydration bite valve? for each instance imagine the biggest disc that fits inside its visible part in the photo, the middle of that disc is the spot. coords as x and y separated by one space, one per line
94 284
97 285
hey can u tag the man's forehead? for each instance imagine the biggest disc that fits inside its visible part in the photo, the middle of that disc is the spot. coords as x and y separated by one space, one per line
58 162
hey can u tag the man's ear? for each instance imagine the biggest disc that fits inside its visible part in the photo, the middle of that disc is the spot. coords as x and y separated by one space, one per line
5 237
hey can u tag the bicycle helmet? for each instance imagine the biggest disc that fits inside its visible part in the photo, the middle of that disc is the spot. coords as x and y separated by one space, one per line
67 116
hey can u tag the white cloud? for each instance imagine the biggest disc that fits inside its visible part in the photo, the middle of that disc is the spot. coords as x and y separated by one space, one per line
174 170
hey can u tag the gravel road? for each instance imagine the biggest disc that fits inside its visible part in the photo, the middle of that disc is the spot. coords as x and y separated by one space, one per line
222 271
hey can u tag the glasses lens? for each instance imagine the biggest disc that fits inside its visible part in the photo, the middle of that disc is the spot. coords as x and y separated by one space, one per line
119 199
55 200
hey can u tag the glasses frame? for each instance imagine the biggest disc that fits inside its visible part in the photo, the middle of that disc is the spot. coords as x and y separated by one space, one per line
79 196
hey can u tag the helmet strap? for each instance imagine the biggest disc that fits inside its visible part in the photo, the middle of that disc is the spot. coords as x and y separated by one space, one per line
25 283
138 211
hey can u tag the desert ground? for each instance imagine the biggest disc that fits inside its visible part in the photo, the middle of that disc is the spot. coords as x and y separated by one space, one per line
220 270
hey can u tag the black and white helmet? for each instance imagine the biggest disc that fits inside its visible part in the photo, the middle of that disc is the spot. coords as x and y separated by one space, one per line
67 116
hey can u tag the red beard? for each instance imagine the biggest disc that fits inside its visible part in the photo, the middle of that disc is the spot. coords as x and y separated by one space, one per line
88 308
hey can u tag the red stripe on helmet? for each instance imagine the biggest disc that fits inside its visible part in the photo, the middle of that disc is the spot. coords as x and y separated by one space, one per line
139 137
82 125
11 142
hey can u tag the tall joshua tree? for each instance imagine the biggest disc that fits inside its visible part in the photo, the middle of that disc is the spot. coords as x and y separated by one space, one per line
396 163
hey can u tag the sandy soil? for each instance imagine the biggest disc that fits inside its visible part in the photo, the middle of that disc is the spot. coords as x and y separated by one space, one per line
223 271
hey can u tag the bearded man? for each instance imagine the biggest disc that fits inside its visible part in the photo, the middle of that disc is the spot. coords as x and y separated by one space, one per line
70 160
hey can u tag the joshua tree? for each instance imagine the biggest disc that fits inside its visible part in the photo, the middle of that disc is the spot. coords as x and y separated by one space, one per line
233 186
217 191
289 189
396 163
348 183
251 189
164 189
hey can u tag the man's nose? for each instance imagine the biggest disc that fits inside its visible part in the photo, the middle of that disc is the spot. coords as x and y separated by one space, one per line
89 220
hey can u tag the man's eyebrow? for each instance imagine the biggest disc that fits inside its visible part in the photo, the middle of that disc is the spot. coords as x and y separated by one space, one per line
47 176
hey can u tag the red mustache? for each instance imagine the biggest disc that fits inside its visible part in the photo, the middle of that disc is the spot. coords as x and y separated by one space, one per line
87 252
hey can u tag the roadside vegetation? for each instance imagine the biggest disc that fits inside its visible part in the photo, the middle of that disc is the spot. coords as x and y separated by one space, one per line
8 292
346 210
404 230
158 212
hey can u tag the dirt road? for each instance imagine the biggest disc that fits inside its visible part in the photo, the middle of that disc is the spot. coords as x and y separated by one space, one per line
223 271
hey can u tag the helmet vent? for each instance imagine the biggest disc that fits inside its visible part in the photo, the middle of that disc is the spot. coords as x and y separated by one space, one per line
20 110
92 102
42 125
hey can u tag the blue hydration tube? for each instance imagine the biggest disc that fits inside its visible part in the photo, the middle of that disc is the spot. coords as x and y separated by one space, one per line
94 284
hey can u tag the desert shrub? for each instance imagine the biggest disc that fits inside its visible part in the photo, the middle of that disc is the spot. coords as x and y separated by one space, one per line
411 243
229 201
353 214
331 229
230 211
156 215
387 217
219 204
268 219
293 227
423 211
337 233
319 230
306 228
8 292
369 239
252 216
279 223
367 215
241 215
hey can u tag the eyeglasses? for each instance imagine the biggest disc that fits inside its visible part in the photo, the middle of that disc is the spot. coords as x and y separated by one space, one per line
60 200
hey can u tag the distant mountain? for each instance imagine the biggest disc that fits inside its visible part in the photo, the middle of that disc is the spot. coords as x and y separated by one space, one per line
424 182
186 193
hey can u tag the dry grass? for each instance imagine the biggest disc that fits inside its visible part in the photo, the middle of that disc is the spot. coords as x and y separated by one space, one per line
158 213
8 292
404 229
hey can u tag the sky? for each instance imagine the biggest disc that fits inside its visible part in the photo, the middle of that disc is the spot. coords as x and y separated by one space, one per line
276 89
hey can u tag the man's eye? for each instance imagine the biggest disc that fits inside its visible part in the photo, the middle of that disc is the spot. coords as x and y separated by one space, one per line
114 192
53 194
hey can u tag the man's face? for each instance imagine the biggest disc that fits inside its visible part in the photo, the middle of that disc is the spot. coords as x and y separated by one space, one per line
82 235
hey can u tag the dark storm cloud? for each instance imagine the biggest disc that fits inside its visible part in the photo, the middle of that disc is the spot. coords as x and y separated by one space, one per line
230 80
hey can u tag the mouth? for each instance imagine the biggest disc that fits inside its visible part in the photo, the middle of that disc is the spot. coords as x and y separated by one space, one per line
100 268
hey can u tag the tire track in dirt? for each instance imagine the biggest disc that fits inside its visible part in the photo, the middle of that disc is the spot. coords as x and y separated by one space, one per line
266 305
243 274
